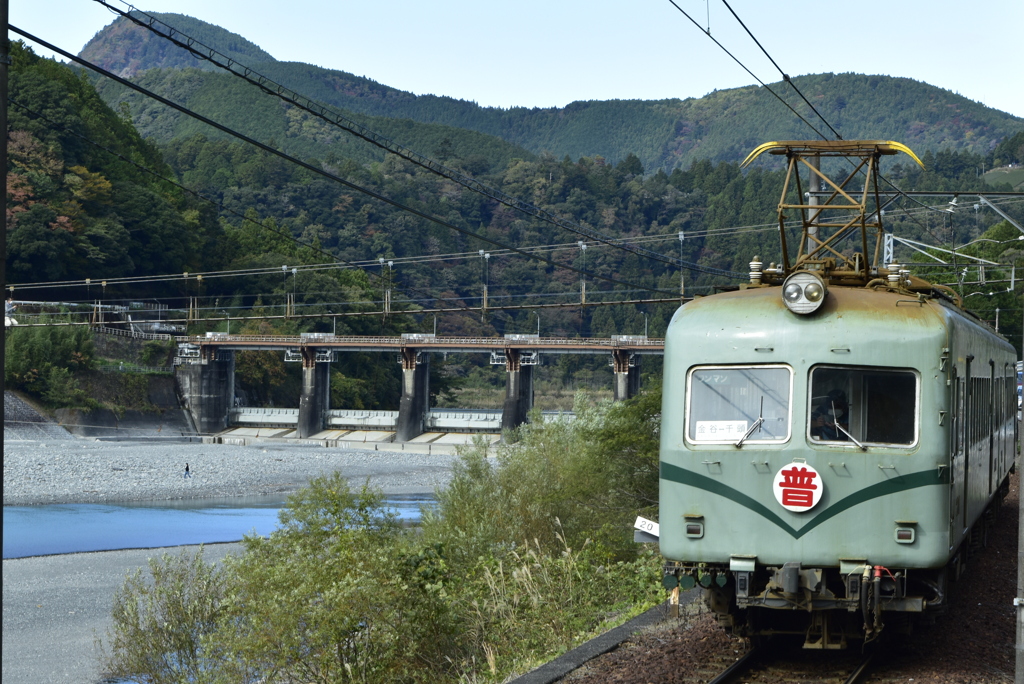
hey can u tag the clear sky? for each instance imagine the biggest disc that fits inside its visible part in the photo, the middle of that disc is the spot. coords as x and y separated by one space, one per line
544 53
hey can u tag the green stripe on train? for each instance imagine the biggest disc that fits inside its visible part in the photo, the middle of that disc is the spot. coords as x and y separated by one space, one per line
899 483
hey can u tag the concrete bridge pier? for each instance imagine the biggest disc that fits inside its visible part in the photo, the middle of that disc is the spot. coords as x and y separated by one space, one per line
518 390
626 365
315 398
415 403
207 389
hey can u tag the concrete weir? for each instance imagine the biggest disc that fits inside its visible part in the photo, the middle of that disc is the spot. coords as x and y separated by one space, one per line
518 389
205 374
412 410
315 399
626 365
207 389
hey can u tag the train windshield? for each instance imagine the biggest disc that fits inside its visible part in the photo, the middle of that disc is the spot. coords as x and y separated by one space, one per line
863 406
739 405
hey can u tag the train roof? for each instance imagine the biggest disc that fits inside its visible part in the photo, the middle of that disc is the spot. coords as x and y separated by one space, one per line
846 314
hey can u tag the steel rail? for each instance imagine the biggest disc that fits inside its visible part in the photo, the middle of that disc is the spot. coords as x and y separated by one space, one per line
861 669
740 667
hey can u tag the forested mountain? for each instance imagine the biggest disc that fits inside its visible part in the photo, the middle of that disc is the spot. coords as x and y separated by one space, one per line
229 100
723 125
77 211
126 49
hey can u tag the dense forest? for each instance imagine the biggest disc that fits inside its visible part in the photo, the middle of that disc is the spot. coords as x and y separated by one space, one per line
721 126
92 197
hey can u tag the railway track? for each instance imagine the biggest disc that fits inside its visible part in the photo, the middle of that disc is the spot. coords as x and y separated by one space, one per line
783 665
711 657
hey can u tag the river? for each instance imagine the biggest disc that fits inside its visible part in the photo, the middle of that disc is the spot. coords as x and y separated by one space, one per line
75 528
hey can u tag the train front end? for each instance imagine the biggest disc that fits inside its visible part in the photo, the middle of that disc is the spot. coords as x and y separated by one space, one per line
802 451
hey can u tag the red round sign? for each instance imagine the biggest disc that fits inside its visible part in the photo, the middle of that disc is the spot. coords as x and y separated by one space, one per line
798 487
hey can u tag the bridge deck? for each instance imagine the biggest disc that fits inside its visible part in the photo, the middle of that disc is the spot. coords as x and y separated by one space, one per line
550 345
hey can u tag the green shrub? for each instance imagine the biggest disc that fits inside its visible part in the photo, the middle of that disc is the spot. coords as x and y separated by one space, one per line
156 352
41 361
160 624
62 389
594 474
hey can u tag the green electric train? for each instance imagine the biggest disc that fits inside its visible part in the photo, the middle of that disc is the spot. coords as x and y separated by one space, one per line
835 437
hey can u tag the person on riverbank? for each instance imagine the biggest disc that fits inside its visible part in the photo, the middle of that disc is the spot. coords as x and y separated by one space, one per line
188 473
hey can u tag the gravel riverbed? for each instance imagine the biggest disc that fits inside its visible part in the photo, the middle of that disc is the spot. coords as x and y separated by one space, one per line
80 471
55 606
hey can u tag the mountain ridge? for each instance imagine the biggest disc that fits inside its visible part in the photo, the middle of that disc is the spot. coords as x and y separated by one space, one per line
721 126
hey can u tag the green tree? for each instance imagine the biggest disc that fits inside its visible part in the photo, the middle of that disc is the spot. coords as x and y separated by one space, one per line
39 360
317 600
161 623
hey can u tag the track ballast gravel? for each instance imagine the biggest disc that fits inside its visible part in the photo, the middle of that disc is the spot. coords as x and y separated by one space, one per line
972 644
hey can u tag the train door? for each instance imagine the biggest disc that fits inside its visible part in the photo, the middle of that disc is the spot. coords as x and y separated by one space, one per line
966 445
989 418
1009 415
956 458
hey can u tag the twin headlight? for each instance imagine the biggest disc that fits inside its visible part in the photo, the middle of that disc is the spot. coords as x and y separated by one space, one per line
803 292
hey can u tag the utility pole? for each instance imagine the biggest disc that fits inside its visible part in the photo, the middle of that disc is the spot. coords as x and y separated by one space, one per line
1019 601
5 61
487 282
682 286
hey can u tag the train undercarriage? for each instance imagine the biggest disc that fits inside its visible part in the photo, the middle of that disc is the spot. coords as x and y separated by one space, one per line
831 607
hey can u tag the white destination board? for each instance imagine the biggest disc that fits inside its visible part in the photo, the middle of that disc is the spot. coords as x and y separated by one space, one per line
719 430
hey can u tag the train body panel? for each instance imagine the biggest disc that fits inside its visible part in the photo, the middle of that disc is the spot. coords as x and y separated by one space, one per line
754 480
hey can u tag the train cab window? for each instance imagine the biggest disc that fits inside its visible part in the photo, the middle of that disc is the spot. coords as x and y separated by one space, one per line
739 405
863 406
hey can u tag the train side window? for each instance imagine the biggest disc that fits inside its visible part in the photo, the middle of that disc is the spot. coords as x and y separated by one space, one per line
863 405
750 405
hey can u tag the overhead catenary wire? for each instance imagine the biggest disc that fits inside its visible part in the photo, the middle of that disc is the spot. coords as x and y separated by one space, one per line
360 264
752 74
372 313
223 308
785 76
610 241
269 86
787 79
327 174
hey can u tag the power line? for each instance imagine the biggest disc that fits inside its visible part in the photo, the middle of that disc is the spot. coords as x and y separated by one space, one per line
327 174
752 74
184 276
787 79
270 87
355 314
785 76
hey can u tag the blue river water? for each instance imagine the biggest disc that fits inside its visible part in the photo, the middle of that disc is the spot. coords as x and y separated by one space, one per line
74 528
